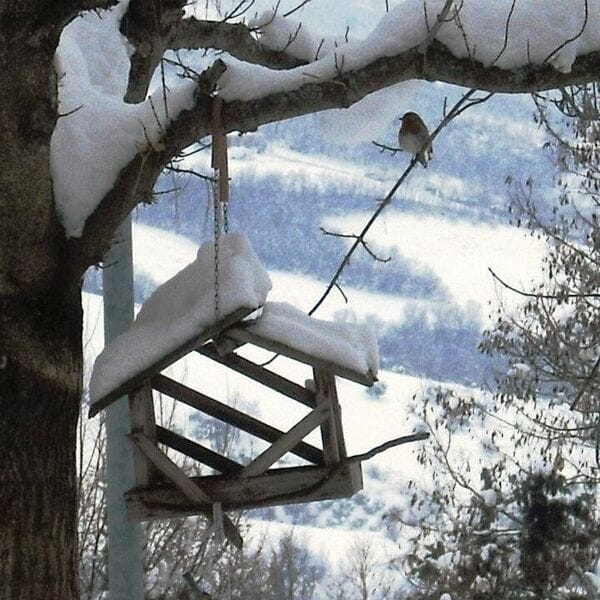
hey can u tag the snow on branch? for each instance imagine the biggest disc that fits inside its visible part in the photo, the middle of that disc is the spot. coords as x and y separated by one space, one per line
499 47
505 33
150 42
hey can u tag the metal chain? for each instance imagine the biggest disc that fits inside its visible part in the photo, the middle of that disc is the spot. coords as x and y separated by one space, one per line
217 239
225 217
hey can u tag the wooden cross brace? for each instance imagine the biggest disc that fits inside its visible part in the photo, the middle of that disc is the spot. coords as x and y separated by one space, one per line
148 458
187 487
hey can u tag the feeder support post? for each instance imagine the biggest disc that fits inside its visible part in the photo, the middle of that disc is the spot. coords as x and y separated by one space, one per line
125 565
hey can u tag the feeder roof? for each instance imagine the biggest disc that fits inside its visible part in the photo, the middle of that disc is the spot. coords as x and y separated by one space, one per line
349 350
180 316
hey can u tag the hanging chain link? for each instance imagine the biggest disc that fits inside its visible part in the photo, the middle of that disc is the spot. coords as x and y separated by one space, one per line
225 216
220 188
217 240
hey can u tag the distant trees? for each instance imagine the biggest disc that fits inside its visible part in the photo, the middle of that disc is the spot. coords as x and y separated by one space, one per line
516 515
499 520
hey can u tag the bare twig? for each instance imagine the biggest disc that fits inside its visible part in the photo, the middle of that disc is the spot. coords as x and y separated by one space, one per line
459 24
293 10
338 287
405 439
572 39
384 148
319 48
187 71
586 384
353 236
506 30
70 112
190 172
538 295
460 106
241 8
439 21
292 38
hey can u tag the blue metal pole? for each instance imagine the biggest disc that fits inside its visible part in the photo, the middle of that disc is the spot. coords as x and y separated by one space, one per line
125 540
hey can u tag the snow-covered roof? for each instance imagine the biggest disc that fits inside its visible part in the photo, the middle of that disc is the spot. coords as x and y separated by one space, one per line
347 349
180 316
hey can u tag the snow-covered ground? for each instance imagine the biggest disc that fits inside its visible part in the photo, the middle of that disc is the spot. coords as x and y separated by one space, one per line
458 253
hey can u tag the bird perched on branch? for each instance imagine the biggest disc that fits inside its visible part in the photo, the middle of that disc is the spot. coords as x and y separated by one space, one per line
413 137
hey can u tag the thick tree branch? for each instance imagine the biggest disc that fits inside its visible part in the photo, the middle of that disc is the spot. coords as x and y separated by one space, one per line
51 15
137 179
154 27
153 35
234 38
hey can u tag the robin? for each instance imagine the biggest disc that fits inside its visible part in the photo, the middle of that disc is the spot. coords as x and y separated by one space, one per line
413 137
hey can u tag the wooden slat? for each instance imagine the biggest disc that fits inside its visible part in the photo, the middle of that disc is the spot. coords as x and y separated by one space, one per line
141 410
183 483
197 451
286 442
257 373
332 434
274 488
244 334
230 415
167 360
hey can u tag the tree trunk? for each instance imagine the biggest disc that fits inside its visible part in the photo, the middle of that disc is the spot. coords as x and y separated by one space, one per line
40 391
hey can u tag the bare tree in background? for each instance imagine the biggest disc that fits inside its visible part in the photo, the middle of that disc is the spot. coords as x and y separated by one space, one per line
523 521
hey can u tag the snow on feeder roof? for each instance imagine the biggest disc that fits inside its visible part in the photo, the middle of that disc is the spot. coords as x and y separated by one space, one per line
348 350
180 316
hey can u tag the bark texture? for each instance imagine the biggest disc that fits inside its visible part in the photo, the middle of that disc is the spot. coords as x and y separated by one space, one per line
40 322
40 392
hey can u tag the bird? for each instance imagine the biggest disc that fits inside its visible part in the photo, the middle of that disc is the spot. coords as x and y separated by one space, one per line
413 137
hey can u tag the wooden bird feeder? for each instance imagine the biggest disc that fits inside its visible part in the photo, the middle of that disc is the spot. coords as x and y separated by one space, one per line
164 490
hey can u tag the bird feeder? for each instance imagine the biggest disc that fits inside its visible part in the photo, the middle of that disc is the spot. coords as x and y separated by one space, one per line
163 490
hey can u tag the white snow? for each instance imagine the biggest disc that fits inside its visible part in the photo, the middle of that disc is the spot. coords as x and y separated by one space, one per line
99 133
293 37
489 497
349 345
537 33
520 370
184 305
457 252
182 308
157 254
594 579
